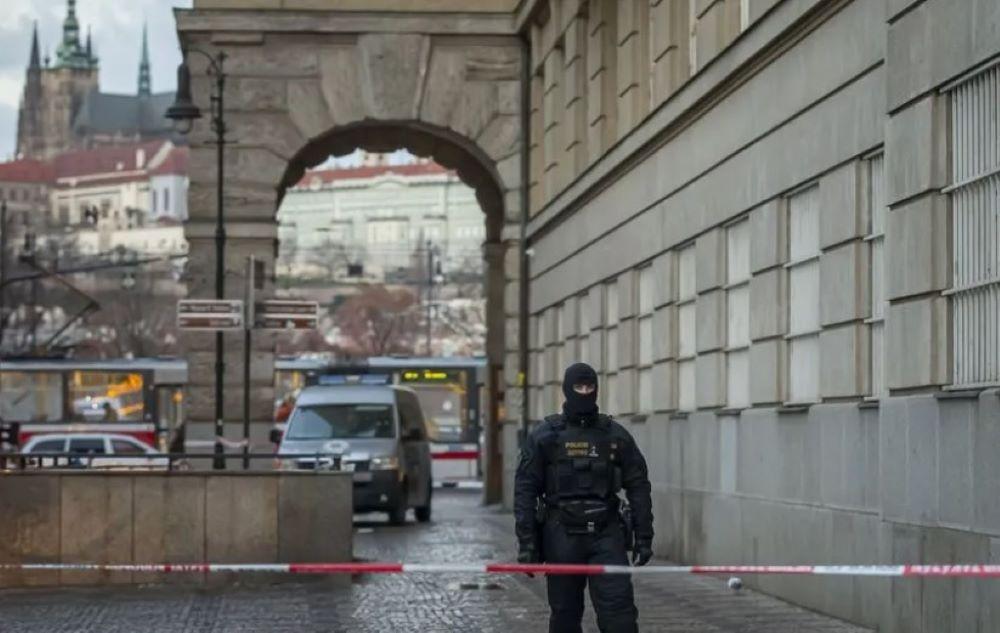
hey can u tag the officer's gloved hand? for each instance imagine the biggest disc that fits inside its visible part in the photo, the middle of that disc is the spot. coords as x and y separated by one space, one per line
642 553
527 554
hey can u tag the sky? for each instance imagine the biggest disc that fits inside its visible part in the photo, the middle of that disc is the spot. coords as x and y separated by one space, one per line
117 36
116 27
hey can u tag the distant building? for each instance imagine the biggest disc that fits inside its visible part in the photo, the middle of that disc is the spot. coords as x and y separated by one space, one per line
381 216
97 201
63 109
26 187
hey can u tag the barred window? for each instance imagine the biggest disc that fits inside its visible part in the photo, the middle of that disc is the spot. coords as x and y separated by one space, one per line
610 391
644 339
686 328
804 296
738 314
875 169
975 195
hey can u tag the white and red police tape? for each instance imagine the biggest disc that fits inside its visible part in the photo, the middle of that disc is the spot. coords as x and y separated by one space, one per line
892 571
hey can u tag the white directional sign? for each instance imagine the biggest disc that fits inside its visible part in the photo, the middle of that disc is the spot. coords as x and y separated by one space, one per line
279 314
210 314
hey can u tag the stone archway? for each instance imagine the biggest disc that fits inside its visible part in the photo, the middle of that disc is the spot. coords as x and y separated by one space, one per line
297 95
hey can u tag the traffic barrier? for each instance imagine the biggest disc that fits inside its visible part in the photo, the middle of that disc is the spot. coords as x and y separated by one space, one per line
889 571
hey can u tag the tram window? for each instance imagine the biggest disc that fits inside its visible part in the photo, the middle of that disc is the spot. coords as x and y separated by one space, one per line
106 397
169 404
87 446
30 396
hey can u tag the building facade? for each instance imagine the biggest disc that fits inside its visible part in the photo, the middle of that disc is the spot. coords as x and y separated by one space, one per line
772 225
101 201
382 216
62 108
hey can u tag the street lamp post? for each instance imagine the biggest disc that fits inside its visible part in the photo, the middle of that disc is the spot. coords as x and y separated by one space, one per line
184 113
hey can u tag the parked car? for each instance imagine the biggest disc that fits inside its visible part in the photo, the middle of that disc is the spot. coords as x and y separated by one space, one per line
375 431
93 450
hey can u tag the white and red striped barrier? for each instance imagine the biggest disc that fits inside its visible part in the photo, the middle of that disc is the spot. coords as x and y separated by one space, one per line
889 571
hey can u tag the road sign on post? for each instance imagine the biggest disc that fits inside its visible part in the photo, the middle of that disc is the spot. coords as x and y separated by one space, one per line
210 314
282 314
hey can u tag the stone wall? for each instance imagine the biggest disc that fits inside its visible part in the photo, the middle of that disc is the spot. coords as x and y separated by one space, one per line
751 105
179 517
306 85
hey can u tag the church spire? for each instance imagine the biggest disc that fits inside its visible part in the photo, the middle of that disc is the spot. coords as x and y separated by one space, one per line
145 83
70 53
36 61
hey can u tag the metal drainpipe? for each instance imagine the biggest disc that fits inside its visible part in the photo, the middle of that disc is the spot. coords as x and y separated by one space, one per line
523 321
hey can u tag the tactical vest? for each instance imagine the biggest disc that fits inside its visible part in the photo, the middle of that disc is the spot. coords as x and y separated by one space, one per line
583 474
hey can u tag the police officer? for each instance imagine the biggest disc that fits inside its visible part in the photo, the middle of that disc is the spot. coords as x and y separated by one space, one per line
566 506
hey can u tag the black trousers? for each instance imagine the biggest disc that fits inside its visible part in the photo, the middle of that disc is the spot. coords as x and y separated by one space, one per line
611 594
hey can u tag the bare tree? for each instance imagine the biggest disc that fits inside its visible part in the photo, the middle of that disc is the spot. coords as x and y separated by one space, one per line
137 316
378 321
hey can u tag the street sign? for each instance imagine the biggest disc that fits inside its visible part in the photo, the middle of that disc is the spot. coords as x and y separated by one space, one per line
280 314
210 314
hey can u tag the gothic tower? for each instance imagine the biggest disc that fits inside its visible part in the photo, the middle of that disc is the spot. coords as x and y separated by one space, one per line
145 84
53 95
29 129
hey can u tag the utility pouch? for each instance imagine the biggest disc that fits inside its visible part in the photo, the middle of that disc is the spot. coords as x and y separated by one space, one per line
628 528
584 516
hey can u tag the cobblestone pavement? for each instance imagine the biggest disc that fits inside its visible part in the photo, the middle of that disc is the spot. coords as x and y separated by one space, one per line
462 531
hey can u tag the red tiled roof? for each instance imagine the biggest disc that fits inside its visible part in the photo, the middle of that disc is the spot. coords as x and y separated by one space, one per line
103 160
26 170
176 163
327 176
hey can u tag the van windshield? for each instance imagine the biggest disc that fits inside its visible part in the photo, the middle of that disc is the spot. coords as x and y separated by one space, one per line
341 421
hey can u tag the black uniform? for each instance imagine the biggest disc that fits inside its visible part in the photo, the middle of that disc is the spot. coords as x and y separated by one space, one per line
566 507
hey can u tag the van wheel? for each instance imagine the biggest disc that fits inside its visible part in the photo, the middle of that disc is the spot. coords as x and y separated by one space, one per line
397 515
423 513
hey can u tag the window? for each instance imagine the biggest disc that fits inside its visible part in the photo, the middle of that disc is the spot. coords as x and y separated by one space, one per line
341 421
126 447
611 346
583 331
31 396
686 328
738 314
975 196
561 342
49 446
166 200
87 446
644 339
154 196
105 397
804 296
744 14
875 168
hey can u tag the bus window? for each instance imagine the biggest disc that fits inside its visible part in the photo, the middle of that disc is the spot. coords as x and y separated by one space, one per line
31 396
106 397
444 412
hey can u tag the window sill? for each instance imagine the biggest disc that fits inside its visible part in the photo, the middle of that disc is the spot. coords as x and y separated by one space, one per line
795 407
803 334
639 418
870 403
735 412
802 261
958 394
680 415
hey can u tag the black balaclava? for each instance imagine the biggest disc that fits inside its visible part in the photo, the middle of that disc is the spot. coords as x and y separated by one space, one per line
579 406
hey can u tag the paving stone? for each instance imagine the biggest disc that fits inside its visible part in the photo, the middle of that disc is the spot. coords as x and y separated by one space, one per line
462 531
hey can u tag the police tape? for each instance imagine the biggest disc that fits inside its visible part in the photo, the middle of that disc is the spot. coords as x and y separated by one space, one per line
890 571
